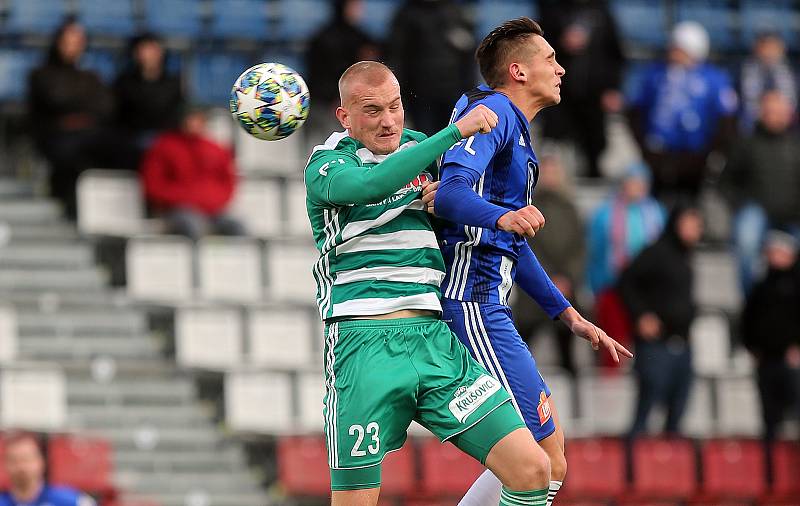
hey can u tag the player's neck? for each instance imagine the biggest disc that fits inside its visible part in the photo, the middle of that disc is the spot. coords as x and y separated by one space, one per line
523 100
27 493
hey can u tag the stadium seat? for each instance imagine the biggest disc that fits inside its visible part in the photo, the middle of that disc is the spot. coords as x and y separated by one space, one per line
398 472
311 395
446 470
608 402
174 18
258 402
8 334
738 407
34 17
717 16
101 62
562 390
101 17
285 157
642 23
779 16
490 13
282 338
110 203
257 205
13 64
733 469
297 224
240 20
711 341
596 469
289 268
785 470
699 418
81 463
159 269
377 18
212 74
303 465
716 282
33 398
300 19
664 468
230 269
4 483
208 337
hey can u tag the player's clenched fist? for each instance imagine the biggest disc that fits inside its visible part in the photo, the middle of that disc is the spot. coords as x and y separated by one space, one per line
480 119
527 221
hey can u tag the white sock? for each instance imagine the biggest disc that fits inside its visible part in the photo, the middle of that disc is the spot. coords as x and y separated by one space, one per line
484 492
555 486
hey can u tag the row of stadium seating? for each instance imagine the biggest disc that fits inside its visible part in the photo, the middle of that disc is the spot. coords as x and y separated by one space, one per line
664 472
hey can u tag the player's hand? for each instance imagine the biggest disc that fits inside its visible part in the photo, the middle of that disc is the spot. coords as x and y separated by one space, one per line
428 195
480 119
526 222
582 327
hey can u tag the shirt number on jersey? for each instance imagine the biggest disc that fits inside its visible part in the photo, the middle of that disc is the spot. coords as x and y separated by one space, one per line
372 431
467 146
323 171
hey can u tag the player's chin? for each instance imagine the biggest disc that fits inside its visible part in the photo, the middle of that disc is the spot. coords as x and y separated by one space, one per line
388 143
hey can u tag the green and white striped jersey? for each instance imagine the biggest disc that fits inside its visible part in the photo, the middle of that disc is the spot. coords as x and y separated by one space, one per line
375 258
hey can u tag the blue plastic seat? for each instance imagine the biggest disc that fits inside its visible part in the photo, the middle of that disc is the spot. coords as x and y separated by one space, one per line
641 22
15 65
212 76
778 16
301 19
240 19
35 17
174 18
377 18
491 13
717 16
104 17
104 63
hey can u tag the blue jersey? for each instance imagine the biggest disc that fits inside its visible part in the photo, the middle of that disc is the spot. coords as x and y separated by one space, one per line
681 106
51 496
503 170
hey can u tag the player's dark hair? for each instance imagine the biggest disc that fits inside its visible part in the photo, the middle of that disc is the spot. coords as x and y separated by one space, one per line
501 43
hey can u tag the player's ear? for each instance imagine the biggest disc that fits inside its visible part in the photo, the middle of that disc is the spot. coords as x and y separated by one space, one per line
517 72
343 117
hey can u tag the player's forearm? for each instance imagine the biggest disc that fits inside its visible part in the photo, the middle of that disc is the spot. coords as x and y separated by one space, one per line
457 201
361 185
534 281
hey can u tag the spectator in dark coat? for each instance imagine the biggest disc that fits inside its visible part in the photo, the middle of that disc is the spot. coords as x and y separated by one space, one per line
149 99
656 289
769 331
190 180
70 110
430 50
561 249
585 39
762 183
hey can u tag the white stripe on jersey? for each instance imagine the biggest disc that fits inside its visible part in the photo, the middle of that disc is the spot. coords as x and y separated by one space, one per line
459 271
402 239
429 301
355 228
422 275
331 401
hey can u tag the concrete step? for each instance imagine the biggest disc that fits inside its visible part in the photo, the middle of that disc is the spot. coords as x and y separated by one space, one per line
48 301
191 415
14 279
29 211
126 370
116 322
47 347
144 392
13 189
55 231
240 482
159 439
232 499
46 254
223 461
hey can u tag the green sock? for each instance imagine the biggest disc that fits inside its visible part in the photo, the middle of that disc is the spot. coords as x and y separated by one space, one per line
526 498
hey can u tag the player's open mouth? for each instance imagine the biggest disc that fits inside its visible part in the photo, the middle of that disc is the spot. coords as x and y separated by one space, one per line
386 136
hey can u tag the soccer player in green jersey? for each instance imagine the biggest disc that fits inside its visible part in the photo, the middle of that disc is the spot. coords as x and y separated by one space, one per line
389 358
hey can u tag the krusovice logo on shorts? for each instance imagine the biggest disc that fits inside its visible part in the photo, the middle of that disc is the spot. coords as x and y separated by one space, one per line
468 399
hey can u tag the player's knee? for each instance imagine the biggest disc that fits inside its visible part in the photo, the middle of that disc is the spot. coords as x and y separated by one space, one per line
532 473
558 467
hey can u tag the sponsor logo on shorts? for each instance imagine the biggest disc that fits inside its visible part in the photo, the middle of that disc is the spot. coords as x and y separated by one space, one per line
544 408
468 399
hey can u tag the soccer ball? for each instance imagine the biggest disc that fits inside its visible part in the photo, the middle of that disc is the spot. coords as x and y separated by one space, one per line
270 101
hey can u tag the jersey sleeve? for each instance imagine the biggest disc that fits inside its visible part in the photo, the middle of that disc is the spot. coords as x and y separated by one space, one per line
534 281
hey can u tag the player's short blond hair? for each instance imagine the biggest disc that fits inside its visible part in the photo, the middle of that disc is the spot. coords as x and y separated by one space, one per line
372 73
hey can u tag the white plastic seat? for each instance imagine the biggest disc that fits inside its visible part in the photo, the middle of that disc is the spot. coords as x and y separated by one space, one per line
716 282
229 269
311 388
159 269
289 268
607 402
699 418
711 342
208 337
110 203
281 338
259 402
8 334
297 224
739 407
278 158
33 397
257 205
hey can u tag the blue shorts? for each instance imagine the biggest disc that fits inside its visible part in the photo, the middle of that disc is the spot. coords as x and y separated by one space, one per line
488 332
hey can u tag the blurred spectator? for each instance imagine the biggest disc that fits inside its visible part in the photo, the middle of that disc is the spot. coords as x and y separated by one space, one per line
657 291
430 49
762 182
69 108
585 39
335 47
766 70
190 180
25 467
561 249
149 99
681 111
769 329
620 228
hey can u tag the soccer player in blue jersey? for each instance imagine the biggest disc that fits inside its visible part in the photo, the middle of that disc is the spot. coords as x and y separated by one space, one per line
25 466
486 193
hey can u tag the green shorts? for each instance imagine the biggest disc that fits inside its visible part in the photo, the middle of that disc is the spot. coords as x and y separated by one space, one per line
382 374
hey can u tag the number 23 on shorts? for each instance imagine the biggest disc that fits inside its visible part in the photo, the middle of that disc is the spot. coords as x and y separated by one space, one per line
372 431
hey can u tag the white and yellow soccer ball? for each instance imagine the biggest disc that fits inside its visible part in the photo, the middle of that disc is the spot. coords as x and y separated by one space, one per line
270 101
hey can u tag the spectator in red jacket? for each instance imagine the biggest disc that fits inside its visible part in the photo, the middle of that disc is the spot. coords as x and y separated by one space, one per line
190 180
